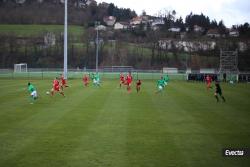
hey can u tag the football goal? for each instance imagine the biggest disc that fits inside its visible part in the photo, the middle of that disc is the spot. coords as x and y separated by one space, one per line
170 70
118 69
22 67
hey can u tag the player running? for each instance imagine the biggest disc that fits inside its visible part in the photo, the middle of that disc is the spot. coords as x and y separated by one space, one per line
208 80
129 80
33 92
160 85
122 79
138 85
96 79
166 80
56 87
92 76
85 80
218 91
63 82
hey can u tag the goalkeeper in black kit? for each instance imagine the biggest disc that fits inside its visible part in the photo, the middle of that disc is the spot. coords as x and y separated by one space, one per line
218 91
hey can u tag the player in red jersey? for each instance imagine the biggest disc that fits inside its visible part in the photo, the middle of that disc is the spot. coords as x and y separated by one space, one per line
208 80
56 87
129 80
63 82
138 85
122 79
85 80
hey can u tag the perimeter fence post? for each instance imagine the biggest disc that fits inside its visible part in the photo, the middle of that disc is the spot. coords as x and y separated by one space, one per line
42 74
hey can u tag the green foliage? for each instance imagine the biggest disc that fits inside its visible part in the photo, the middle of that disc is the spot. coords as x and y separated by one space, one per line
244 30
122 14
195 19
21 30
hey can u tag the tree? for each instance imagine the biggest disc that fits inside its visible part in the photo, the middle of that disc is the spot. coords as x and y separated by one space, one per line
213 24
199 20
222 28
168 19
179 23
111 9
244 30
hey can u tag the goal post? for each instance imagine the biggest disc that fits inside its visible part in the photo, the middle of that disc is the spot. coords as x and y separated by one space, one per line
22 67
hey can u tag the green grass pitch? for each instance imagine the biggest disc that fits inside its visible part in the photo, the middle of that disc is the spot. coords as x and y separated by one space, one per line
106 126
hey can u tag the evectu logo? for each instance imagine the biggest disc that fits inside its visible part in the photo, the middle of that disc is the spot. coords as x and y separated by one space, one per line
235 152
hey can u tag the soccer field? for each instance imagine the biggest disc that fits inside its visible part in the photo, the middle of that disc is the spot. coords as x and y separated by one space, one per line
106 126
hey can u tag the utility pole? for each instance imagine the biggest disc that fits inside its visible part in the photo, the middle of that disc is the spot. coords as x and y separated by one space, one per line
97 45
65 66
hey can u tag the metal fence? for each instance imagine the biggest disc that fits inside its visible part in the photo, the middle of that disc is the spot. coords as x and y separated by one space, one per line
78 73
35 73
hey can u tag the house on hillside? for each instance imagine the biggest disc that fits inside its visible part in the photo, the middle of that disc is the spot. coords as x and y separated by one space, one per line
136 20
109 20
174 29
145 19
198 28
121 26
89 2
158 21
213 33
101 27
234 33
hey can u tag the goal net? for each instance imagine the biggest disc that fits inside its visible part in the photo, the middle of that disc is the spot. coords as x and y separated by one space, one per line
22 67
118 69
170 70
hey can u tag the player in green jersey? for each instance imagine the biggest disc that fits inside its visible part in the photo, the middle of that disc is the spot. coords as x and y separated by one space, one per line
166 80
33 92
160 85
96 79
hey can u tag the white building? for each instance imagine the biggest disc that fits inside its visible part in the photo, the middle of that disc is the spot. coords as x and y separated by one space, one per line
109 20
234 33
120 26
174 29
158 21
136 21
198 28
213 33
89 2
101 27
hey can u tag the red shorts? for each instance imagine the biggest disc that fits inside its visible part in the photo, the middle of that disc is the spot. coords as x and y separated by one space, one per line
56 88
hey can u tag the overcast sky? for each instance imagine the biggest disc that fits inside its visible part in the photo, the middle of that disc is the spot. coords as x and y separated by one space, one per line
230 11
